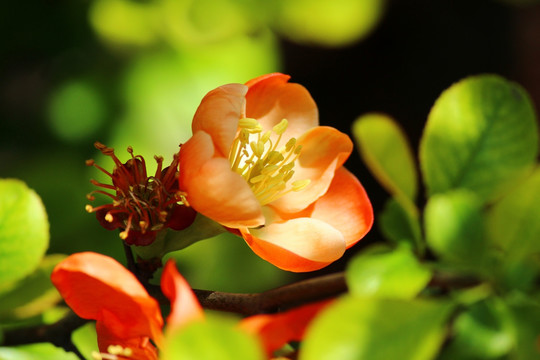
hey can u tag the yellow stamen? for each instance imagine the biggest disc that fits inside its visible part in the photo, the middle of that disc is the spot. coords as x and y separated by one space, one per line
266 168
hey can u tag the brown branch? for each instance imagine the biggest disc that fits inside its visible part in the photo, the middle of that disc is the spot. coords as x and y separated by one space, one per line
275 300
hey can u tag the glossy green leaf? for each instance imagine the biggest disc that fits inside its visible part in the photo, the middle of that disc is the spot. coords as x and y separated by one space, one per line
481 133
327 22
377 329
216 340
24 231
386 151
454 227
481 332
386 273
40 351
513 223
33 294
399 226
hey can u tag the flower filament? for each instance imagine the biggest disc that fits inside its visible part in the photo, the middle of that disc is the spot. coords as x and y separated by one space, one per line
266 167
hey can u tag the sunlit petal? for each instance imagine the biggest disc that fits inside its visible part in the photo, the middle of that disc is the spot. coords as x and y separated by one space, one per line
271 98
346 207
301 244
324 149
218 115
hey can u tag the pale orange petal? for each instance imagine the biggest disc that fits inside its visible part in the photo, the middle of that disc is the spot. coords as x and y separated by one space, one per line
184 304
346 207
301 244
324 149
276 330
218 115
213 189
96 286
271 98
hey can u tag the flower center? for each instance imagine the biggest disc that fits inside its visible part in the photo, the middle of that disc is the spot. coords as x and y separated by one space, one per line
263 163
114 352
141 204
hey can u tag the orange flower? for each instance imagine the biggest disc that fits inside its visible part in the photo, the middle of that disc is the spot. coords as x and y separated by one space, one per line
259 164
127 318
276 330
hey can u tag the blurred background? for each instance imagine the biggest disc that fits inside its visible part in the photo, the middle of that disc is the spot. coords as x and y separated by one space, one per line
132 72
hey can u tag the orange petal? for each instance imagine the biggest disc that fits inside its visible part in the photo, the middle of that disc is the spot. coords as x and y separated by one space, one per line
324 149
213 189
184 304
218 115
271 98
98 287
277 330
346 207
141 348
301 244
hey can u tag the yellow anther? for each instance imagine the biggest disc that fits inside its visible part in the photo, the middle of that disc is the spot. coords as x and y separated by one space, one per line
89 208
269 169
300 184
109 217
298 149
248 123
266 136
274 157
281 127
290 144
257 179
123 235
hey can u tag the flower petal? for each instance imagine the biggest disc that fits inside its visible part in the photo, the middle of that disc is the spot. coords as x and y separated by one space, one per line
184 304
271 98
301 244
324 149
346 207
218 115
276 330
96 286
141 348
213 189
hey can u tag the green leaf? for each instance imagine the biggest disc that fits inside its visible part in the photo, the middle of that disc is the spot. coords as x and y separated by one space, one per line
385 273
386 151
85 339
513 222
214 339
481 332
525 318
24 231
480 135
41 351
399 226
33 294
377 329
327 22
454 227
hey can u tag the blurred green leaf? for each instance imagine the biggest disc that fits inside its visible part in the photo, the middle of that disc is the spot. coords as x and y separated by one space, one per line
33 294
24 231
399 226
327 22
377 329
525 317
480 135
67 118
386 151
85 339
513 223
481 332
454 228
385 273
41 351
215 339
